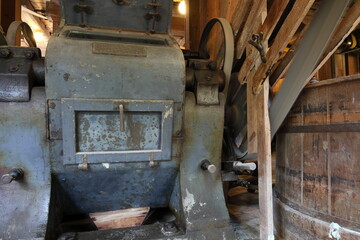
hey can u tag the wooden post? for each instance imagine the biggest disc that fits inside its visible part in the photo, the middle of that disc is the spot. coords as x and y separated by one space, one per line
264 164
10 11
0 12
187 25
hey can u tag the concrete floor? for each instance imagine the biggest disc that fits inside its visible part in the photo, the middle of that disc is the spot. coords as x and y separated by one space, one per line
244 213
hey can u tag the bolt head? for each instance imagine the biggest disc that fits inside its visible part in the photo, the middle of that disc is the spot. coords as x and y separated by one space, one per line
212 168
169 229
6 179
4 52
13 68
212 65
29 54
153 164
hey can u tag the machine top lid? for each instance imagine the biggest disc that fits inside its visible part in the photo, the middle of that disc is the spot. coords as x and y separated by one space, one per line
140 15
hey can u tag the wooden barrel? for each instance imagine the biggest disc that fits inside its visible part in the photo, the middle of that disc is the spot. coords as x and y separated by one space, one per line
317 189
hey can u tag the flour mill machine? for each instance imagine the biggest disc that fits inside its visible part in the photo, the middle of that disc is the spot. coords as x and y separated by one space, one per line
111 119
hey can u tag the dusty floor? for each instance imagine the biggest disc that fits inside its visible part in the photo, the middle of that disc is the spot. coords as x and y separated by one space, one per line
244 213
244 209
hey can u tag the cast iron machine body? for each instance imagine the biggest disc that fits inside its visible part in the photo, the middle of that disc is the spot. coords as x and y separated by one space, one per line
113 128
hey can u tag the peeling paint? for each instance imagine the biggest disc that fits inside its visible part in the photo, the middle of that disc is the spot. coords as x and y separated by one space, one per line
334 231
168 113
106 165
203 204
189 201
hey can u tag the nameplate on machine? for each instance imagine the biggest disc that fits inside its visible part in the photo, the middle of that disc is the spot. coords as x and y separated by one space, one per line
119 49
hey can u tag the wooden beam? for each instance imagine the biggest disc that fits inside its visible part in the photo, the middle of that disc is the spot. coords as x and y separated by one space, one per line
251 99
187 25
53 10
214 41
0 12
119 218
10 11
39 22
267 28
238 12
286 32
197 17
310 51
247 31
264 164
346 26
285 63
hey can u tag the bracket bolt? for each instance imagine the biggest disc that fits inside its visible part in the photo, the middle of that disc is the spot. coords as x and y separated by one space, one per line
13 174
13 68
4 52
29 54
207 166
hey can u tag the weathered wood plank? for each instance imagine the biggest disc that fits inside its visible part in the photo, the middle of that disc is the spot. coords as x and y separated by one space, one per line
264 165
245 35
11 11
252 117
314 42
197 17
53 10
285 63
346 26
238 12
330 166
270 22
119 218
287 31
279 44
187 25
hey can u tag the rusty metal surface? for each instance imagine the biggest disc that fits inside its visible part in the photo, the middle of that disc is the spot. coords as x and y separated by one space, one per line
207 86
54 119
107 13
101 132
106 187
24 203
91 127
119 49
73 71
17 72
119 143
203 207
115 120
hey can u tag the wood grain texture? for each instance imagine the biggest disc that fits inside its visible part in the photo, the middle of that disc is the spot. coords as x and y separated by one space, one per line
119 218
264 165
286 32
350 21
319 170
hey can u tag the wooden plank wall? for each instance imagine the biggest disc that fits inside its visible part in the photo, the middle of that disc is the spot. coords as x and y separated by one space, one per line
319 168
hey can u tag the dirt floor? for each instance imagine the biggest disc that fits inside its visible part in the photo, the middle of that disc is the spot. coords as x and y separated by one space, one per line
244 213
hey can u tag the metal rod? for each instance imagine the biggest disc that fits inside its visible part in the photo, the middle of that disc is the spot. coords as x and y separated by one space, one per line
122 118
